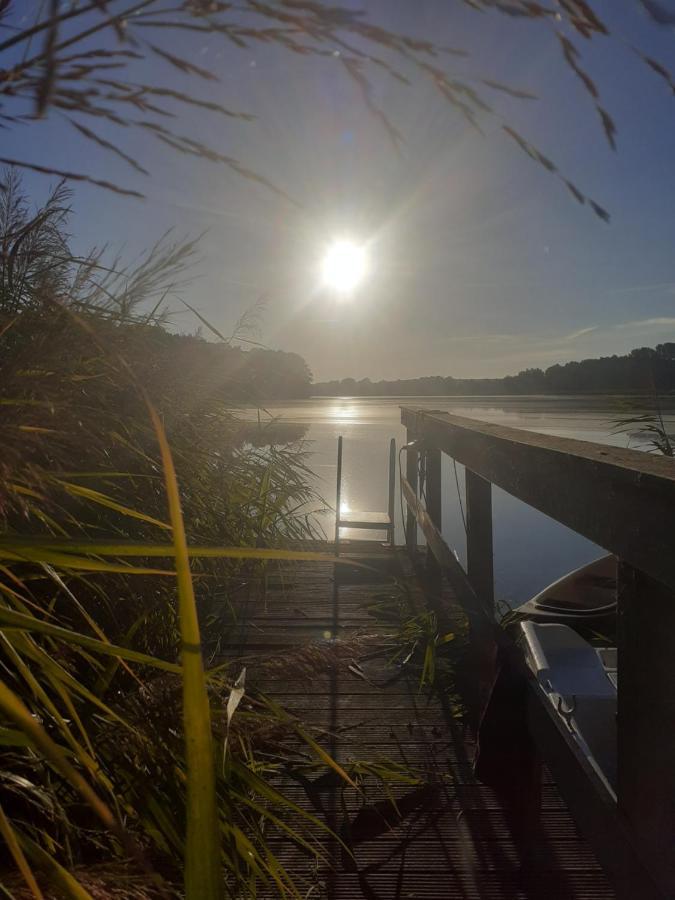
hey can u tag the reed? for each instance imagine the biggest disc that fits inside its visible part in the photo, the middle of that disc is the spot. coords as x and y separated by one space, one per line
130 521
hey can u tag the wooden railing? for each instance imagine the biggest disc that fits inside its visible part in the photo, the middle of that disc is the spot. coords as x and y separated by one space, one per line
624 501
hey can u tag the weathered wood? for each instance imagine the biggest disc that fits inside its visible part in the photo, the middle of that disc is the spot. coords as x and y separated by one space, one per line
434 500
443 556
411 463
646 719
623 500
479 553
443 838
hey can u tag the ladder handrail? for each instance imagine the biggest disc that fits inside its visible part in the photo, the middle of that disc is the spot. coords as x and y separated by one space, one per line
338 492
391 495
392 487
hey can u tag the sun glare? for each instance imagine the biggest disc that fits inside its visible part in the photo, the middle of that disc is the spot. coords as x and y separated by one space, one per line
344 266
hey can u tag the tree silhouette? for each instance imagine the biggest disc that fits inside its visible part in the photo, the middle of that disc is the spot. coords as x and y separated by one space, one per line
643 370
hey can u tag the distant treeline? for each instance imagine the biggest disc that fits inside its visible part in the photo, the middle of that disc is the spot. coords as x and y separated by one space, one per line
643 369
256 376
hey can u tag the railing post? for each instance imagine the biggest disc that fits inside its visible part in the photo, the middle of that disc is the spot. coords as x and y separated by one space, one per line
646 721
479 555
412 457
434 502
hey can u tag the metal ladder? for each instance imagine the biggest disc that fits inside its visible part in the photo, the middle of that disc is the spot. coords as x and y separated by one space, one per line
372 521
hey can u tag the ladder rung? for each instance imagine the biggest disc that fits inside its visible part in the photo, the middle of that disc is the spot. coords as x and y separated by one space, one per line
356 519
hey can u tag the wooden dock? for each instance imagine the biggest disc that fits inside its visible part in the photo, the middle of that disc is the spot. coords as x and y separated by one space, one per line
624 501
535 817
446 835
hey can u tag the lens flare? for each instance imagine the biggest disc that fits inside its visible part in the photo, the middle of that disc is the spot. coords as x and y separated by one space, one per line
344 266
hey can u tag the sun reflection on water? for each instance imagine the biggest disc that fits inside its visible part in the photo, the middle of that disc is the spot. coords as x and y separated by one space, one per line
344 412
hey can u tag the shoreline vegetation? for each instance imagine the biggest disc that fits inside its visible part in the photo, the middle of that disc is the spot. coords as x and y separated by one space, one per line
137 513
645 370
141 515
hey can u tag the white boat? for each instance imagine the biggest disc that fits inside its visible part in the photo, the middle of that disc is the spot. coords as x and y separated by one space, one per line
577 678
586 596
580 682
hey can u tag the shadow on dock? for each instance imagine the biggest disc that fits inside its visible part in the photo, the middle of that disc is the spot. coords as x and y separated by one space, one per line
442 835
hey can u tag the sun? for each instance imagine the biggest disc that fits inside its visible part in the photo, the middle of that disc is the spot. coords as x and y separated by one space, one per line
344 266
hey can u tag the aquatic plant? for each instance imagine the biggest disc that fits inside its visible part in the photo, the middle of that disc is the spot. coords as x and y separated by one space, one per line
649 426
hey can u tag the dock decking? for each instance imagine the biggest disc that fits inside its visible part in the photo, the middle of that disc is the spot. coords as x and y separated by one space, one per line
447 836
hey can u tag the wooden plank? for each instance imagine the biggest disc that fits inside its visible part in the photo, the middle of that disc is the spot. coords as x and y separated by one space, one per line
646 719
623 500
479 553
448 838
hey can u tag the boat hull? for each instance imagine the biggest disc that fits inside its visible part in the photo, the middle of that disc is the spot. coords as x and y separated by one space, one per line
585 597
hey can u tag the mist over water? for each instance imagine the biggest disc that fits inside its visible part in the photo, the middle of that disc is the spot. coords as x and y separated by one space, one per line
530 549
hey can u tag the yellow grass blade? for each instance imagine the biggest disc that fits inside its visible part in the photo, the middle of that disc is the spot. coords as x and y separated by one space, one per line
43 555
11 619
67 884
45 550
15 710
78 490
202 849
16 852
325 757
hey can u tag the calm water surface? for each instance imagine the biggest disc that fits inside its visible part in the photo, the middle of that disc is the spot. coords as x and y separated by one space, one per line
531 550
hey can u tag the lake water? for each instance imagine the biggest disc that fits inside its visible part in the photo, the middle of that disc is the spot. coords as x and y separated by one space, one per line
530 549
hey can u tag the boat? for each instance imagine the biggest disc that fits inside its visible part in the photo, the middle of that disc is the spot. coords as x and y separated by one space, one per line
580 682
578 678
584 597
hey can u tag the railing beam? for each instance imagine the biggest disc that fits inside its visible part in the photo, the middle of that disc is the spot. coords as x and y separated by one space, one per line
622 500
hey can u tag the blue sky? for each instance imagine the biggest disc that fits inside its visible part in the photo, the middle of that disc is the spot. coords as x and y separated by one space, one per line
481 262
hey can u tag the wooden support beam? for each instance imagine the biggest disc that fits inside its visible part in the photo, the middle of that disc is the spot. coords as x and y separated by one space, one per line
411 462
434 501
479 553
623 500
646 720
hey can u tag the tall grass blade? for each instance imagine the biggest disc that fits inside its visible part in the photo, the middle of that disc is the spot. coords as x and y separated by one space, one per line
202 877
17 855
12 619
15 710
67 884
